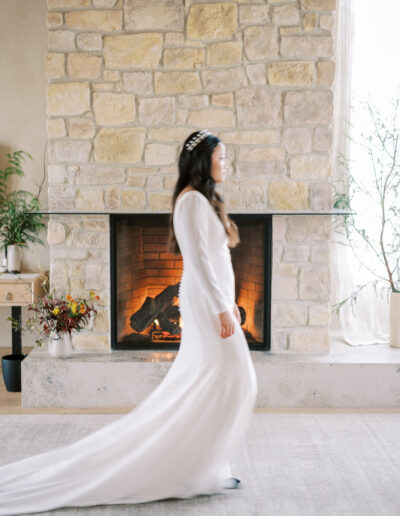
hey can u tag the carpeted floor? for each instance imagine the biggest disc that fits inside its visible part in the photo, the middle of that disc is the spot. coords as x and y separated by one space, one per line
289 464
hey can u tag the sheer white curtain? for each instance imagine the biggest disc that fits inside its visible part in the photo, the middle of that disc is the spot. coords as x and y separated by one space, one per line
367 322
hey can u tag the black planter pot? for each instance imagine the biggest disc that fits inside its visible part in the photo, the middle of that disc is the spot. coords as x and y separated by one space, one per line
11 365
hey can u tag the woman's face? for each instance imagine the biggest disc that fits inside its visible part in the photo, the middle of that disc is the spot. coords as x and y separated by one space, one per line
219 166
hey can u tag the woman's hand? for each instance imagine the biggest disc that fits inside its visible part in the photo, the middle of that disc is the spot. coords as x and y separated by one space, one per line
227 324
237 313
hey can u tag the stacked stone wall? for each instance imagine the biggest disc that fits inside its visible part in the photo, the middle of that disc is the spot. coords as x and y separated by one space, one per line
128 80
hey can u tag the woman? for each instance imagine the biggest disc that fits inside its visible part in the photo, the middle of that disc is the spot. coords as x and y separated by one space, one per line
178 441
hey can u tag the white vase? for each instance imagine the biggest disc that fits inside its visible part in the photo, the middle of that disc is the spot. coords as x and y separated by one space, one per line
14 258
60 345
395 319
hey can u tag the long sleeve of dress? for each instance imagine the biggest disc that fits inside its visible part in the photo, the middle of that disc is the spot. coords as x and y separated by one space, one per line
194 218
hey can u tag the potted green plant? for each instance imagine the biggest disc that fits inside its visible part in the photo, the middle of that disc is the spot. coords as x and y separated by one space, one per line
19 224
380 240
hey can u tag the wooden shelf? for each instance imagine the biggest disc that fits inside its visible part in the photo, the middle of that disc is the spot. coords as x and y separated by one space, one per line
20 289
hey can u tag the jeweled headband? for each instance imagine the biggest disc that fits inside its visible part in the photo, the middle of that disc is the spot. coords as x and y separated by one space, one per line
191 144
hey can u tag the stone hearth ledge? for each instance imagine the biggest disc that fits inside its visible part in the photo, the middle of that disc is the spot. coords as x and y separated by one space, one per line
342 378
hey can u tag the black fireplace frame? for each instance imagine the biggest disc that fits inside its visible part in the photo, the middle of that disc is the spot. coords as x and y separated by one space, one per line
266 219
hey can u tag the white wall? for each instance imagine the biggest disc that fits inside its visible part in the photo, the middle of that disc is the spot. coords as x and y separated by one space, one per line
23 43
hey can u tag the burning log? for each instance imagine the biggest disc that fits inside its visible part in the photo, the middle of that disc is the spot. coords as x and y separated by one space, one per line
156 308
242 312
136 339
168 325
163 316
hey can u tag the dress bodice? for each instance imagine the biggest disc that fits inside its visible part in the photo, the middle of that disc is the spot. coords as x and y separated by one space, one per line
206 256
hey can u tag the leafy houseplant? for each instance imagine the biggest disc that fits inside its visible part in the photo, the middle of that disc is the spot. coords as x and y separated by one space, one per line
55 318
375 237
18 225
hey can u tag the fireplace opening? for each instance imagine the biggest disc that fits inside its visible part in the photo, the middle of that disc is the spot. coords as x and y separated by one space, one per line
145 282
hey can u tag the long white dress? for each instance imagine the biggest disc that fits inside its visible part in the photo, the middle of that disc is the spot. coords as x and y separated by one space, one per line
178 441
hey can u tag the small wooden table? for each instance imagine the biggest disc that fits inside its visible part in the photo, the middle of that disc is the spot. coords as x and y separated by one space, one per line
17 290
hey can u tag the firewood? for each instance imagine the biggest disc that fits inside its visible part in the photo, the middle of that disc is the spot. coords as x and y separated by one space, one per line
153 307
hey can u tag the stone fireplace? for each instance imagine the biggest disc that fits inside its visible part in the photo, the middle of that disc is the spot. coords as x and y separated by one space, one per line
128 80
145 282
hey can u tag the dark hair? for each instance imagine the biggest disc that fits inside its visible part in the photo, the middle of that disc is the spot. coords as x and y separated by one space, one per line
195 171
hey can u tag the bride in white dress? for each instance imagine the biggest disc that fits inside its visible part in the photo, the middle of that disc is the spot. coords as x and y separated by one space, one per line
178 441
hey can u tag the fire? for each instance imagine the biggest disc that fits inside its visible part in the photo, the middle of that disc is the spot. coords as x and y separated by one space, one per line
157 323
180 322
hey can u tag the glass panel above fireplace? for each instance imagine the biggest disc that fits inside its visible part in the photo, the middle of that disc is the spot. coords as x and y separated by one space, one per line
145 282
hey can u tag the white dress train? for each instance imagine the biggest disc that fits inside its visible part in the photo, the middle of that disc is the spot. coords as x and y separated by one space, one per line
178 441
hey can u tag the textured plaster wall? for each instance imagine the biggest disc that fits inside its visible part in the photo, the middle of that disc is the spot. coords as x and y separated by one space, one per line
23 37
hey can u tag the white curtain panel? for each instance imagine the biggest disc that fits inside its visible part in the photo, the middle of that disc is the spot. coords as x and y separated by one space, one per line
367 321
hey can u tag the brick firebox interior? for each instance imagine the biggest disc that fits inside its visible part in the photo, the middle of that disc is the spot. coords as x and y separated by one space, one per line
145 269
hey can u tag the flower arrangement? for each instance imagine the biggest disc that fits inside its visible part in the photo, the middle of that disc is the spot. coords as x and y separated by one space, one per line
57 315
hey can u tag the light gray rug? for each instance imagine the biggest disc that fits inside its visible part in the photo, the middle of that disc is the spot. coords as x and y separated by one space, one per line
289 464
